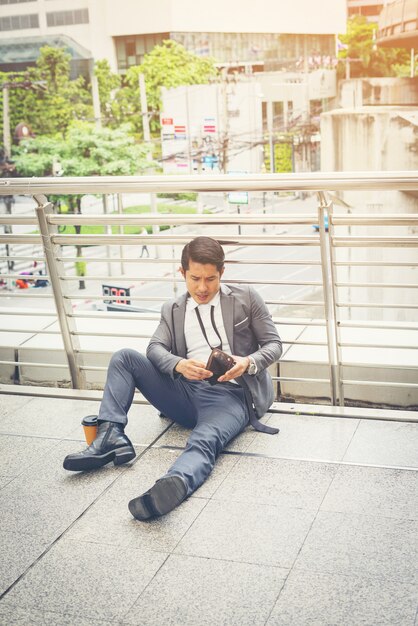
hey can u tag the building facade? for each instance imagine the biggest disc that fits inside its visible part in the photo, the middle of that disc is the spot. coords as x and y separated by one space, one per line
278 35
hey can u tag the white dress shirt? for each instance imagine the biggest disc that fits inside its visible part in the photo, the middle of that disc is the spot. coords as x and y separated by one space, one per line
197 347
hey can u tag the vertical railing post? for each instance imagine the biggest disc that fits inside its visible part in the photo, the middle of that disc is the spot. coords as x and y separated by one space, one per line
62 305
330 314
337 330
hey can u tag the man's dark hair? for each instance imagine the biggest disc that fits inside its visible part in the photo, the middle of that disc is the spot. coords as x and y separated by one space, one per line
203 250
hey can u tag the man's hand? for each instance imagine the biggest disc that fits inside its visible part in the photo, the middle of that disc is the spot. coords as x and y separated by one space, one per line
192 369
240 367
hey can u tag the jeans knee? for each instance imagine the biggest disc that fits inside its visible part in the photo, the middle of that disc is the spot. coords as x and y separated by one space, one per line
124 356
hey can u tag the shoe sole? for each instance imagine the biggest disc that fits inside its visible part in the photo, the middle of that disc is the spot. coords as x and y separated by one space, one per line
118 456
163 497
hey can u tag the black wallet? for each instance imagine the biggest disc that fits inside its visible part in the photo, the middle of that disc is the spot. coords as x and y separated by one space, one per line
219 362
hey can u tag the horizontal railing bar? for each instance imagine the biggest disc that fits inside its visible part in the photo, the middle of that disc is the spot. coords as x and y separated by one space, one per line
312 181
175 219
301 380
378 285
38 331
167 260
358 242
374 264
34 364
23 294
26 312
104 315
394 346
15 257
372 220
147 298
374 305
285 361
169 279
377 325
239 240
18 220
380 366
93 368
365 383
34 239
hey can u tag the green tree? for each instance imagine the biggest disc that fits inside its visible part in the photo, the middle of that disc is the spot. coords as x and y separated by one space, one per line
167 65
52 109
84 151
366 58
50 101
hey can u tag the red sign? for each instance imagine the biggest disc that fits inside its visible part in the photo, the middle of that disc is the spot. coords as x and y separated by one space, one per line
167 121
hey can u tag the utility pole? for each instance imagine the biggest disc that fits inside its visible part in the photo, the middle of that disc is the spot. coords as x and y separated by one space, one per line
7 143
147 138
269 107
96 99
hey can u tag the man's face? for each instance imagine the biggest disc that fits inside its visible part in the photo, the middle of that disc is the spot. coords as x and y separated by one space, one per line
203 281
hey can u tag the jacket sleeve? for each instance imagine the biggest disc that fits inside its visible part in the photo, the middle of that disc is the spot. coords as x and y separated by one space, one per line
161 346
265 332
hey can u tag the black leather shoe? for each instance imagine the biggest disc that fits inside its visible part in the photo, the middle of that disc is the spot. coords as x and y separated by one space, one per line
111 444
163 497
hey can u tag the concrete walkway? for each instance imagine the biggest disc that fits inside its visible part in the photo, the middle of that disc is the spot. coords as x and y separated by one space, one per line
318 525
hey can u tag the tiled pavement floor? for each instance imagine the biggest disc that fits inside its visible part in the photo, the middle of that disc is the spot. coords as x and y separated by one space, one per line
316 526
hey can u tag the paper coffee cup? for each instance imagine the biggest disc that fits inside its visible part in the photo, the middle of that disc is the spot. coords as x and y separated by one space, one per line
89 424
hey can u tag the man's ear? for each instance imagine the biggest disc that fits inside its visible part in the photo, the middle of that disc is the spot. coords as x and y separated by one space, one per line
182 272
221 271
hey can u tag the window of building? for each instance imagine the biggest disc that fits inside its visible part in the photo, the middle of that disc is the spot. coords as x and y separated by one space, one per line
130 50
67 18
19 22
15 1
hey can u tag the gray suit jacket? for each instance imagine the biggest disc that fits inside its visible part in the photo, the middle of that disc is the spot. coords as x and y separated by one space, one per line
249 328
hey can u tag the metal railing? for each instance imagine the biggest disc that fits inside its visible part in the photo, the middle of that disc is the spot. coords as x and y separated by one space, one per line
323 330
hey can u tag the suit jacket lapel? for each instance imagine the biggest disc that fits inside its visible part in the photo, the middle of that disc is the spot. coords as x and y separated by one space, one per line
179 313
227 307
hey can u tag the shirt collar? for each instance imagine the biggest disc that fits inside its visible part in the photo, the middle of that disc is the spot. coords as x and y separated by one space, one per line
192 304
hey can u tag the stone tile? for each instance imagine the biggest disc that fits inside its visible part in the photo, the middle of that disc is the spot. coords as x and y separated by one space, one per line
234 531
374 491
306 437
10 403
17 453
384 443
82 579
177 436
109 521
274 481
5 480
18 552
190 591
47 417
360 545
46 499
333 600
224 464
17 616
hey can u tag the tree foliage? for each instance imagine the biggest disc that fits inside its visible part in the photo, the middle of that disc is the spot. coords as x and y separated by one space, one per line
50 101
84 151
369 59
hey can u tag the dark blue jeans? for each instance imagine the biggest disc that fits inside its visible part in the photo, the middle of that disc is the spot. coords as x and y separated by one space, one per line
215 413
